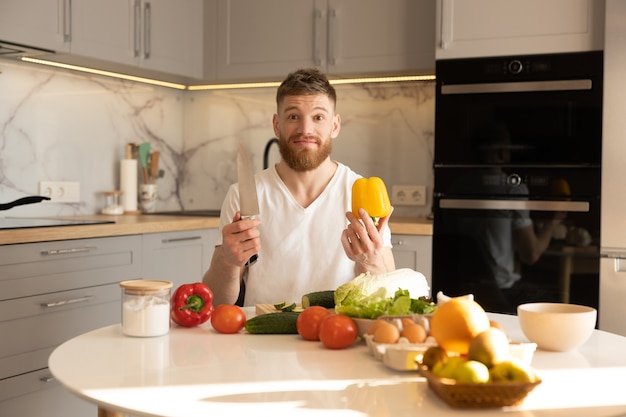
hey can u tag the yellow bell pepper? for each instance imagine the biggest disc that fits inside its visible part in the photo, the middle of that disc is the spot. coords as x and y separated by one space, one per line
371 195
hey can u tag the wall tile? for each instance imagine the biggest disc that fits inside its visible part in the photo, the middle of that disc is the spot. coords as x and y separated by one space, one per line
66 126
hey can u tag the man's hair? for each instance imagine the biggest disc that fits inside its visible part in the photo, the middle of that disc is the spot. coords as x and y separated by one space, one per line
308 81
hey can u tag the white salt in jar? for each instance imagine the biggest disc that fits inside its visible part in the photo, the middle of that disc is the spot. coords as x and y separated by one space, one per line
145 307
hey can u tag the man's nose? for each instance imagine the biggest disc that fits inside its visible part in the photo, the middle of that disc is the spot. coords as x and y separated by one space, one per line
305 127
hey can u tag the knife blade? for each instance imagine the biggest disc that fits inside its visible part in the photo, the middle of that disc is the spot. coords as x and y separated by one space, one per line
248 200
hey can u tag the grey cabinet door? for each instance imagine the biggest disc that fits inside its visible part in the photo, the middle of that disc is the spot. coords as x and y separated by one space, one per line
49 293
180 257
415 252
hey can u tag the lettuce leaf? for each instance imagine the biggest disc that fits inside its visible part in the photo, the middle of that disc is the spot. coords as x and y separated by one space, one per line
376 305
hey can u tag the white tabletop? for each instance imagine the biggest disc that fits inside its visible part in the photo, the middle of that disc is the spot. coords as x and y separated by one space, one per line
196 371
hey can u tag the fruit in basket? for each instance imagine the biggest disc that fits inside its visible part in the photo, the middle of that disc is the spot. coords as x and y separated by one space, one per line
489 347
456 322
472 371
433 356
448 368
511 371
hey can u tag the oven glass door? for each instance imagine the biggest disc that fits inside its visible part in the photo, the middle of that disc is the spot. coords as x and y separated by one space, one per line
518 144
548 116
481 243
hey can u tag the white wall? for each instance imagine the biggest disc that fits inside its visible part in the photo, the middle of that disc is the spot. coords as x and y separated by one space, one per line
62 125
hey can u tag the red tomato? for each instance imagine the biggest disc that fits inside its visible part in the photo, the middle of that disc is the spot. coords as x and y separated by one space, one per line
228 318
308 322
338 331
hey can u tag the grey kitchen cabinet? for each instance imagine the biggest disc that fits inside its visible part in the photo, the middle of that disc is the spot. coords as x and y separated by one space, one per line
415 252
155 35
49 293
268 39
477 28
181 257
41 23
160 35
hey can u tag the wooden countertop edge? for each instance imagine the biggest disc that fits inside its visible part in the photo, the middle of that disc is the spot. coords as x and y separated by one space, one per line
419 226
137 224
124 225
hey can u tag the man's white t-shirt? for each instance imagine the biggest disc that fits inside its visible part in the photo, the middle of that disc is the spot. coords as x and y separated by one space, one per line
301 248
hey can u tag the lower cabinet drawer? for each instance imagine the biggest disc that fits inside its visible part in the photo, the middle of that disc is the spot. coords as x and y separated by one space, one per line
32 327
36 394
46 267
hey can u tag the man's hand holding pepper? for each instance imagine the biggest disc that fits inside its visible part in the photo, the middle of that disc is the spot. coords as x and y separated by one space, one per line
363 243
240 240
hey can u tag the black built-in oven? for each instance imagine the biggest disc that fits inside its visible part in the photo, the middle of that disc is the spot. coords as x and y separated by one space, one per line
516 203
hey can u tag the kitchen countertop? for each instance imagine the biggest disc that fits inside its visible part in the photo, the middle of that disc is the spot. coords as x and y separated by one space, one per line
196 371
133 224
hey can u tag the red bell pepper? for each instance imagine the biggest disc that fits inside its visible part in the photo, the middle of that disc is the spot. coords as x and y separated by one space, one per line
192 304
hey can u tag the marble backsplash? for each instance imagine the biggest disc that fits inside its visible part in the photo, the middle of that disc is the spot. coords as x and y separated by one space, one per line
58 125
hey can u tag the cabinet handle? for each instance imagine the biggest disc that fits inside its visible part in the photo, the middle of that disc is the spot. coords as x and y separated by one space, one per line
69 250
137 35
47 378
332 36
445 32
317 41
398 243
70 301
67 21
147 30
181 239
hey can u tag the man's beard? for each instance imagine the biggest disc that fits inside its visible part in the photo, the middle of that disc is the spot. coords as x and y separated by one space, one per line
304 159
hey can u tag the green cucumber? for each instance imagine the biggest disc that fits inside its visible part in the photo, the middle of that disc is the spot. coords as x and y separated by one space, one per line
290 307
319 298
273 323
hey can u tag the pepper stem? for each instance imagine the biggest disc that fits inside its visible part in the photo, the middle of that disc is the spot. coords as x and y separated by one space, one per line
193 303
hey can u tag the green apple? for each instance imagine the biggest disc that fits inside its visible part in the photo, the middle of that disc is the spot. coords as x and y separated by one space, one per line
447 369
511 371
489 347
472 371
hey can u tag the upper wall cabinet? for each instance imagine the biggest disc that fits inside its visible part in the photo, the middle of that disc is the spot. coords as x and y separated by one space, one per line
268 39
477 28
159 35
41 23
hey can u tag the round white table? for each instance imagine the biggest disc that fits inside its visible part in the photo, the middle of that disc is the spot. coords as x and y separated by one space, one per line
198 372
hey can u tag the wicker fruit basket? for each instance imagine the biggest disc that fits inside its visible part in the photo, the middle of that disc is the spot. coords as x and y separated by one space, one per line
471 395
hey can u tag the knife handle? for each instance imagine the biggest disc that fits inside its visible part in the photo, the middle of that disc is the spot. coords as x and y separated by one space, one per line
254 257
252 260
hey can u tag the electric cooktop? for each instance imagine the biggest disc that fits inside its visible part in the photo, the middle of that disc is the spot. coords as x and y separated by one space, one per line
27 222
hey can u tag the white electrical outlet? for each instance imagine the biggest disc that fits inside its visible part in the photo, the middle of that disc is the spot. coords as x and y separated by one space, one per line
60 191
408 195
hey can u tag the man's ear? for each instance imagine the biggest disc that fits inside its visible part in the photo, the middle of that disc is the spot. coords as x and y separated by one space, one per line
275 125
336 126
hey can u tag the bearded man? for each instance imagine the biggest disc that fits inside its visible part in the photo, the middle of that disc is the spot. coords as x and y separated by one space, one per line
306 237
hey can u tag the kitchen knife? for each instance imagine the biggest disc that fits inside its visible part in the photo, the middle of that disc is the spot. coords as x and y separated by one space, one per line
248 200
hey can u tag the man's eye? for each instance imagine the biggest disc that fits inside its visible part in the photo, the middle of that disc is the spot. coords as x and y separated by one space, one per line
292 117
319 118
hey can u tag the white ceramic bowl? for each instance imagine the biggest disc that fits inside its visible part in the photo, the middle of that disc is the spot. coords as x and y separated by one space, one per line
557 327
